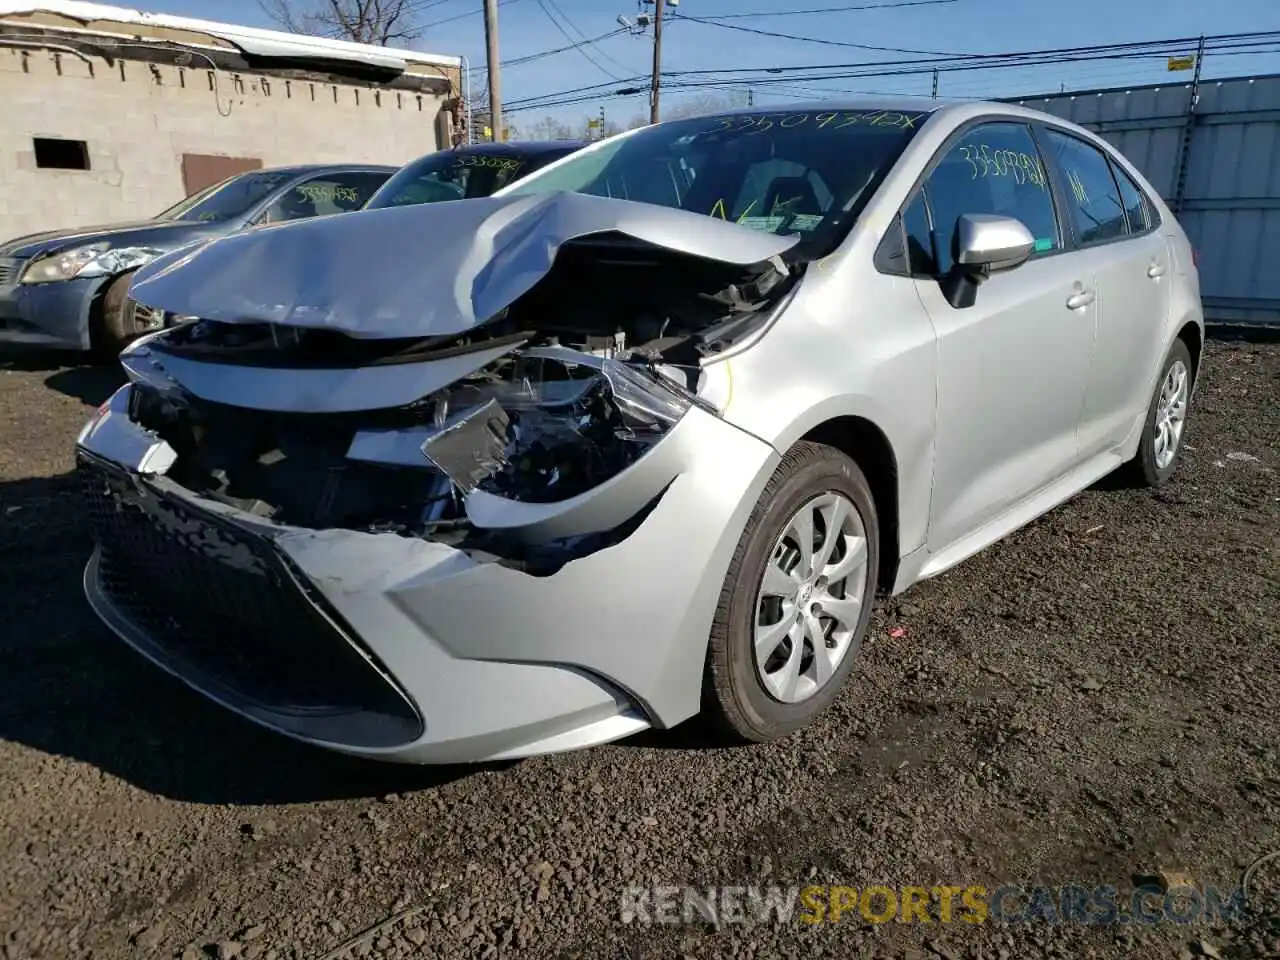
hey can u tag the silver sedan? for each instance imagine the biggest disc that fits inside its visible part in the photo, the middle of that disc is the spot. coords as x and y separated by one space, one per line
642 435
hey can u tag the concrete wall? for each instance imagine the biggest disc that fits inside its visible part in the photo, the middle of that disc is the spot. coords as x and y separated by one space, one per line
140 118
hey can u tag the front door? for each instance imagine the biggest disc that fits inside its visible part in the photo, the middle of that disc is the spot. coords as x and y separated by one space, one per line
1014 367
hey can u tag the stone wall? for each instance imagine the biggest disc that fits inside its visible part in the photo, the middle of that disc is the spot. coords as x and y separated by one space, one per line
139 119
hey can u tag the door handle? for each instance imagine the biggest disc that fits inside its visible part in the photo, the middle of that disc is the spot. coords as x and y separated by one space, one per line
1155 271
1081 299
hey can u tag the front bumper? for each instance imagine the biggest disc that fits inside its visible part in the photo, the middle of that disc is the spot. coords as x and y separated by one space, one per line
402 649
54 315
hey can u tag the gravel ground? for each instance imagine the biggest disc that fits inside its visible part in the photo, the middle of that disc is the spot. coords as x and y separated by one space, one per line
1092 701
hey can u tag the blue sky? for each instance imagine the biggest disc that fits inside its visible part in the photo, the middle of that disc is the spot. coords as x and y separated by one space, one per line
962 26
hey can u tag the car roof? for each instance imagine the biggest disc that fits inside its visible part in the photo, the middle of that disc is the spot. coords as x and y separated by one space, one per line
958 110
893 103
299 170
522 148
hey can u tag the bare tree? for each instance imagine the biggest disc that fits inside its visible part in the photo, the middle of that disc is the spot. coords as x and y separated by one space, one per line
698 105
549 128
704 103
382 22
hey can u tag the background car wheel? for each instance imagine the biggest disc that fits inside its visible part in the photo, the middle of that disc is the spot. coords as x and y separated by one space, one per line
1161 443
797 598
117 326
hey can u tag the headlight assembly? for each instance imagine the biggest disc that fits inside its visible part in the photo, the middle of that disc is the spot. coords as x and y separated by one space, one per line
93 260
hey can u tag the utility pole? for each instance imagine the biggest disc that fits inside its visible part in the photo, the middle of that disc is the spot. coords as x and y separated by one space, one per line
495 82
935 83
659 5
751 97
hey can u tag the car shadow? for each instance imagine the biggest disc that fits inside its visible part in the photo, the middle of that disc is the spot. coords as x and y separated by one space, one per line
91 385
70 373
69 687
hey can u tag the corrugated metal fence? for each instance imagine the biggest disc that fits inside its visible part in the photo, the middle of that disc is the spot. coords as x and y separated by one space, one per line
1218 168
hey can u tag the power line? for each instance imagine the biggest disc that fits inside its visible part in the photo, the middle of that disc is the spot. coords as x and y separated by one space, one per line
530 58
705 21
818 10
1150 46
576 29
463 16
418 6
1222 45
576 44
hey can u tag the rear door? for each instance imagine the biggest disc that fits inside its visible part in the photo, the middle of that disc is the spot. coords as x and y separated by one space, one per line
1013 367
1115 232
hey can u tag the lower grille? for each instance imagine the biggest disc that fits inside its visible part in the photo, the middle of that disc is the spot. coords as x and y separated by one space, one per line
220 603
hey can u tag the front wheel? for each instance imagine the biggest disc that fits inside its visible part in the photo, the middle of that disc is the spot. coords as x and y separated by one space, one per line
121 321
797 598
1160 447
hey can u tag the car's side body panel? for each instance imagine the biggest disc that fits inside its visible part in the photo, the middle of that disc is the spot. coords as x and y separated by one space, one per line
851 344
1012 372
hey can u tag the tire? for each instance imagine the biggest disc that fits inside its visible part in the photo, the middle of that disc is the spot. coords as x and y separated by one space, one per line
749 702
1151 466
116 328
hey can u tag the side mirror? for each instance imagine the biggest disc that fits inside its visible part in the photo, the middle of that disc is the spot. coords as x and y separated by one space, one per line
983 244
987 242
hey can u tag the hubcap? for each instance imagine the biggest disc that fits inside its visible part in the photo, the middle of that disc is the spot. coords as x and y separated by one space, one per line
810 598
1171 414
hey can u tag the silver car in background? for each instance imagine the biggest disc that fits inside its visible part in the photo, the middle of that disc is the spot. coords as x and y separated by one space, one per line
640 436
69 289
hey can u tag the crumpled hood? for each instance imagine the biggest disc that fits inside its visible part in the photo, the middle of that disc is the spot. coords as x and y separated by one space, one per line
427 270
156 234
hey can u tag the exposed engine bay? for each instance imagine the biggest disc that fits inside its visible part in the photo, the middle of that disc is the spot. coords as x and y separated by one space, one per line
575 401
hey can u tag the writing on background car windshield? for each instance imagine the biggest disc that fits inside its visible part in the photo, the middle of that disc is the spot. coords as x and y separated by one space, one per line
754 123
492 163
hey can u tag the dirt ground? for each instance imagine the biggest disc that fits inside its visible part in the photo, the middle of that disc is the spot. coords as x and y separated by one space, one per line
1092 701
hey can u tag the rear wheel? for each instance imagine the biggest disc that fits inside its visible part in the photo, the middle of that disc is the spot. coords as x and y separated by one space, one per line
1161 445
797 598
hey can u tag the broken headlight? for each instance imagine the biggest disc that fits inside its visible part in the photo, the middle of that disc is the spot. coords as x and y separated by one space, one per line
562 424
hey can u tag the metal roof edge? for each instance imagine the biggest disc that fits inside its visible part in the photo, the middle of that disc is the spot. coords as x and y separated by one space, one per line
1128 88
252 40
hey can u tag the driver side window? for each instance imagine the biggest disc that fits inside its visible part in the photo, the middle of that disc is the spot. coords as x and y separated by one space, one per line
994 168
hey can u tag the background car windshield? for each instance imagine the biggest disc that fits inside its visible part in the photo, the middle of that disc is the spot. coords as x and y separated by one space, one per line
230 199
448 175
783 172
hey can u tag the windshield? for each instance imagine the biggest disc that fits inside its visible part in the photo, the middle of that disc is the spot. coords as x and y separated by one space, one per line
806 173
229 199
449 175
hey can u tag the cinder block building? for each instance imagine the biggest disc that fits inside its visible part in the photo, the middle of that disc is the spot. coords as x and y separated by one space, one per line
110 114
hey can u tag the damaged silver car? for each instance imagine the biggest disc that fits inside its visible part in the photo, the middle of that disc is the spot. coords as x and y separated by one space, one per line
639 436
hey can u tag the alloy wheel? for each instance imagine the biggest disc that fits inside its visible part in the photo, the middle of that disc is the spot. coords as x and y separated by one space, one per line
1171 414
810 597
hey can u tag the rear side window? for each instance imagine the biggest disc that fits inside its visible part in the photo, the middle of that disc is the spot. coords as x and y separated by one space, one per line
1135 202
994 168
1093 199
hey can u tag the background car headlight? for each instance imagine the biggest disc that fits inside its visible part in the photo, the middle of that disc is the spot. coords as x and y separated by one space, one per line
62 265
95 260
